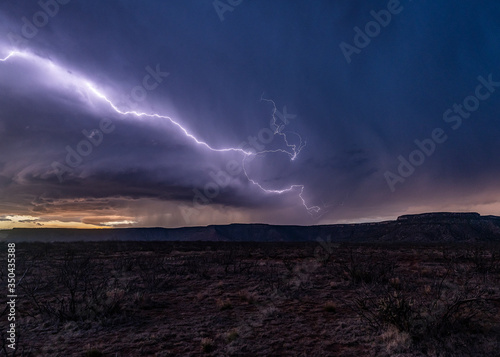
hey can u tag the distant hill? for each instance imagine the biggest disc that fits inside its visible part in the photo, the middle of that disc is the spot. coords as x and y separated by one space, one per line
420 228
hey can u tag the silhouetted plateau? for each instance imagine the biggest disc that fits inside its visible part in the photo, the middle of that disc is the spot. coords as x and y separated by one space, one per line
424 228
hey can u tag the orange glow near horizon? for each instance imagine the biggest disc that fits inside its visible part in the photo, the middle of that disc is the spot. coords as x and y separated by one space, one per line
78 220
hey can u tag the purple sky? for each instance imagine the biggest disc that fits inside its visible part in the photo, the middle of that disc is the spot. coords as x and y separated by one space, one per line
261 111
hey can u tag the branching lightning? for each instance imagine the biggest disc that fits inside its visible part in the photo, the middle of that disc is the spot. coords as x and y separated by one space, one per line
292 150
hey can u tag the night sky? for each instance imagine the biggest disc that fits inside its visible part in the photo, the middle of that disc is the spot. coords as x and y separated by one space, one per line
280 112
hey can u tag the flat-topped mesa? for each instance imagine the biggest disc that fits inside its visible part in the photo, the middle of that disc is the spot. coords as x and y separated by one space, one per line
441 216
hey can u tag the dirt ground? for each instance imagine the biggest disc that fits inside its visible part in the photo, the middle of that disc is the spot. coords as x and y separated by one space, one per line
254 299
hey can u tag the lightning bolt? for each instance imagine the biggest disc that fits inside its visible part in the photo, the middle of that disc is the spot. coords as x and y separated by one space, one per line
13 53
139 115
278 130
292 150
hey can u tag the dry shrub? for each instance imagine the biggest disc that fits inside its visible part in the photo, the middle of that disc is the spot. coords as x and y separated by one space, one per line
232 335
330 306
247 296
396 341
432 316
207 345
224 304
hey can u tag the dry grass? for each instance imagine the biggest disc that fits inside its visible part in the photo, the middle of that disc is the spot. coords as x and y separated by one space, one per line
232 335
257 300
224 304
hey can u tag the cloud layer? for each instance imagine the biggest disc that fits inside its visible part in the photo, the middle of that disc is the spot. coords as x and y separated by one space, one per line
180 60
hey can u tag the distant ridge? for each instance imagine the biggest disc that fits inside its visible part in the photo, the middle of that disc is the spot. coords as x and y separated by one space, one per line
418 228
440 216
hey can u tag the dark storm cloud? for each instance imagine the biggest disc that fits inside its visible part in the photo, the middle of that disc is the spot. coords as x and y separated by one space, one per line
357 117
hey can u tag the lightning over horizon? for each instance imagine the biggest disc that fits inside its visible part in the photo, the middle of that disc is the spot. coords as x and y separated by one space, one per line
292 150
171 114
217 166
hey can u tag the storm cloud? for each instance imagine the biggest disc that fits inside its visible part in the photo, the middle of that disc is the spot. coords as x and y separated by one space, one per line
230 79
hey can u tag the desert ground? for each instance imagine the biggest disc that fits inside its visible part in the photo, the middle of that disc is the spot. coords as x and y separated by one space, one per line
255 299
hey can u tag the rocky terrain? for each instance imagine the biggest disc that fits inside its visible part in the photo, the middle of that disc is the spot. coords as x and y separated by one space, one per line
255 299
422 285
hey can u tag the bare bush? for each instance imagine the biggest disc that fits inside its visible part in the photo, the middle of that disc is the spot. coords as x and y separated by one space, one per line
455 303
82 293
367 269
